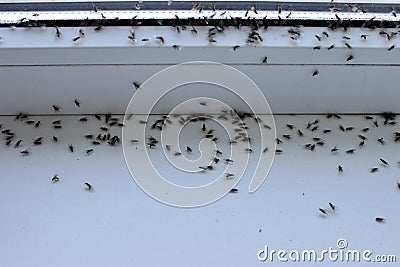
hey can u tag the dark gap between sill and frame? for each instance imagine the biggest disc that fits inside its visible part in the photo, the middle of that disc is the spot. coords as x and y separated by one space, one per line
187 5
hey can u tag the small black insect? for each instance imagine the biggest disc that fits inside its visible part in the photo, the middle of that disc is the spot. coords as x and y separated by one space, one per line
364 36
234 190
381 140
380 219
188 149
342 128
398 185
77 103
58 32
323 211
176 47
287 136
334 149
88 186
362 137
105 129
374 169
95 8
37 124
83 119
315 73
57 126
193 30
384 161
333 207
331 46
348 45
76 38
17 144
318 38
264 60
55 178
55 138
25 152
320 143
56 108
325 131
89 151
71 147
278 151
290 126
351 151
349 58
318 47
229 175
38 141
266 126
136 84
340 168
393 12
161 39
235 47
391 48
132 36
299 132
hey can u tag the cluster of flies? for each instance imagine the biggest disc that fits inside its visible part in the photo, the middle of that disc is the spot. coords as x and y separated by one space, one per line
384 119
219 25
236 118
332 210
103 136
88 186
